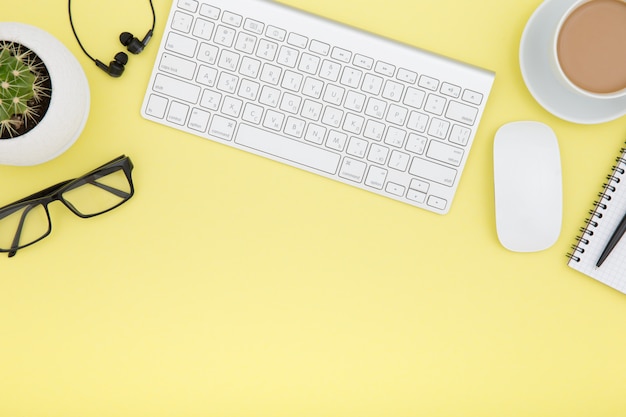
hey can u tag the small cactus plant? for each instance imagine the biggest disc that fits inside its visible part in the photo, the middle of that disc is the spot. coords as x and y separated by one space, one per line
24 90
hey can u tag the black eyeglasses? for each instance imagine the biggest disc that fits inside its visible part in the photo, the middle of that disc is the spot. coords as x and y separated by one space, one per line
27 221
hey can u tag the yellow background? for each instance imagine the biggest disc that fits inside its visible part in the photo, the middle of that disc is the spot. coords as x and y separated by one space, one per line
233 286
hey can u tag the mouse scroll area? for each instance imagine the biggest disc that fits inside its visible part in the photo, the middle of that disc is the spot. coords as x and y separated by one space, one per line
528 186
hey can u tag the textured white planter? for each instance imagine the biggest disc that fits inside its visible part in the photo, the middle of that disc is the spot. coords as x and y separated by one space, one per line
69 105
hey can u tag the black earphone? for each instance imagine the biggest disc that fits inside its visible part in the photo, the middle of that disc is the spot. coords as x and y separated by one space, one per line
133 45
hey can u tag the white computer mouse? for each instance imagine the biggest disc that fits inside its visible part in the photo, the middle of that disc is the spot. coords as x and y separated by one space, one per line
528 186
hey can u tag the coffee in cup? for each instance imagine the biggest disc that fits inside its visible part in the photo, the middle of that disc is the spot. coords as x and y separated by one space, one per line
590 48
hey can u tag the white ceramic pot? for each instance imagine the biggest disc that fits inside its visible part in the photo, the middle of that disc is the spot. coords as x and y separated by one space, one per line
69 104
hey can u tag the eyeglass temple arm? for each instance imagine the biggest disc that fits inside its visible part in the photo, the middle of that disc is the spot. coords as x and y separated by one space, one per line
119 193
18 233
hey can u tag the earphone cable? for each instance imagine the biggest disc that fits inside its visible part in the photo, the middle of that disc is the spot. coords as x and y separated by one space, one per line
69 10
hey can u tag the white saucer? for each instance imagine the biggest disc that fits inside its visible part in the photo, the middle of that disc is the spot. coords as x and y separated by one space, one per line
545 87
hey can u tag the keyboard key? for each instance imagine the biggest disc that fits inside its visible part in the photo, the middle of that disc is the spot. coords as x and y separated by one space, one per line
210 11
376 177
174 65
435 104
443 152
451 90
320 48
472 97
462 113
330 71
384 68
254 26
378 154
407 76
207 76
460 135
199 120
428 83
357 147
351 77
203 29
436 202
252 113
299 41
414 98
225 36
288 57
156 106
181 44
189 5
178 113
352 170
276 33
372 84
432 171
222 128
182 22
341 55
175 88
292 150
232 19
395 189
363 61
309 63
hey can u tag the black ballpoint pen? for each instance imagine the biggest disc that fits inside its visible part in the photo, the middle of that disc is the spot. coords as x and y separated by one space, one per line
617 235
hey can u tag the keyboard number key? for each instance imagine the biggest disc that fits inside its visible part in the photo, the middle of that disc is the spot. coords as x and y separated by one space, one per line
224 36
309 64
267 50
351 77
245 43
203 29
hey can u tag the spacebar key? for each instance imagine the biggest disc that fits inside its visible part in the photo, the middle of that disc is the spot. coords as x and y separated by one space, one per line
289 149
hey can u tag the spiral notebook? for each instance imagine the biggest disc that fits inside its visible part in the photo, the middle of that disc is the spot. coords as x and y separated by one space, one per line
604 218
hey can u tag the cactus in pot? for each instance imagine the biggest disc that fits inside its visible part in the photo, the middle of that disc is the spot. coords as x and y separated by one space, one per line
24 90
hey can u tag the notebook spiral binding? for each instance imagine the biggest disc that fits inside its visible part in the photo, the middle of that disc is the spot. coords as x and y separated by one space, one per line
608 188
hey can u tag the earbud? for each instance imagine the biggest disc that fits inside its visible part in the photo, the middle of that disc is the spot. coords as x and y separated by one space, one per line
115 67
133 44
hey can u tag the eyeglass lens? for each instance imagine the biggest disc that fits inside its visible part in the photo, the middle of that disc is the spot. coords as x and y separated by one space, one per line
98 194
23 226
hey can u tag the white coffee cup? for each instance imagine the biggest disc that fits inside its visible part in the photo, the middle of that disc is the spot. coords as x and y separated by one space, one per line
589 48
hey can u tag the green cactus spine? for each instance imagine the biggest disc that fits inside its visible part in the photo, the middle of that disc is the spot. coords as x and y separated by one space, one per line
23 86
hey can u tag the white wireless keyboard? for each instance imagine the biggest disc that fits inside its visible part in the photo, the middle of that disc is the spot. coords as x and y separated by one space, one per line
311 93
